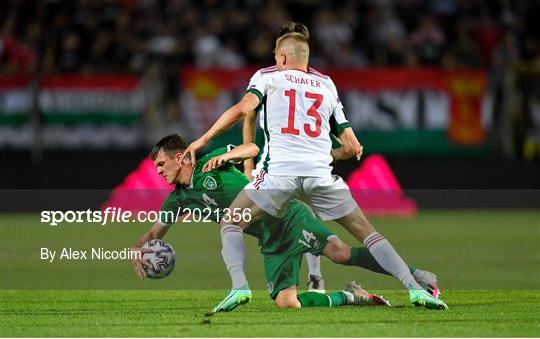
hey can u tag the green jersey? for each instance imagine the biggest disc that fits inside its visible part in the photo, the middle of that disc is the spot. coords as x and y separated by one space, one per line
282 241
210 194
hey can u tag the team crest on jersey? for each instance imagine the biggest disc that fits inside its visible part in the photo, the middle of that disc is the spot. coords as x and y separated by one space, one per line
270 287
210 183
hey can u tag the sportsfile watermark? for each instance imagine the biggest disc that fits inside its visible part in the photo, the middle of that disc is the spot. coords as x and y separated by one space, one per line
120 215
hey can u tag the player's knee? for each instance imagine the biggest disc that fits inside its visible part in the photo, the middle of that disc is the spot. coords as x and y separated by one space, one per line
338 251
287 301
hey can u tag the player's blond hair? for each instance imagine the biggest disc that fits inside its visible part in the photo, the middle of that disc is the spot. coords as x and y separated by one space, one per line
296 44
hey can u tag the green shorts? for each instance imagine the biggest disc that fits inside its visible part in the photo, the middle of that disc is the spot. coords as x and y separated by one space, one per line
304 234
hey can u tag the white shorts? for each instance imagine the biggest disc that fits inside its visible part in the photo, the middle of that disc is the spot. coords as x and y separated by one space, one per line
329 197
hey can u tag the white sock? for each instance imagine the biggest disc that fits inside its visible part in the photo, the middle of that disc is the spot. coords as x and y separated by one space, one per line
233 251
314 264
350 297
388 258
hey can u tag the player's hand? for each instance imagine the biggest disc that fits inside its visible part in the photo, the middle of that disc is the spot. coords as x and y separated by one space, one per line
193 148
140 264
215 162
358 150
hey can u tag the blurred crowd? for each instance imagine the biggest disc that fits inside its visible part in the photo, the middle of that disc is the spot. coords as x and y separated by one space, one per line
98 36
156 38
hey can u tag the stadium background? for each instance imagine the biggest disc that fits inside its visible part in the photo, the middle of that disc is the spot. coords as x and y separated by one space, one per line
447 90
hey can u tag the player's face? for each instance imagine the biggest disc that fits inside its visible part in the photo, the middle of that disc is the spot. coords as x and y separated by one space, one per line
168 166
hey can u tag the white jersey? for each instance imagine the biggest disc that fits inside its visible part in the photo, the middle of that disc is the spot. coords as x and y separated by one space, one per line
254 78
298 109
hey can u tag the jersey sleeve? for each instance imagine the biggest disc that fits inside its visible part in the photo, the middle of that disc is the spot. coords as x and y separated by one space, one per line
253 80
215 153
230 147
169 210
338 121
258 85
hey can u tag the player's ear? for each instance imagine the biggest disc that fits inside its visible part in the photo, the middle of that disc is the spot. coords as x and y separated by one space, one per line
283 59
178 156
186 161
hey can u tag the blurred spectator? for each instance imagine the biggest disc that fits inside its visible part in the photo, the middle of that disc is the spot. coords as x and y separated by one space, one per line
487 37
15 54
70 58
463 52
388 37
428 41
332 36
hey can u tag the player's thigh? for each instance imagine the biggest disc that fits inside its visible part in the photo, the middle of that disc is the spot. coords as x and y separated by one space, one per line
356 220
282 272
272 193
288 298
329 197
309 235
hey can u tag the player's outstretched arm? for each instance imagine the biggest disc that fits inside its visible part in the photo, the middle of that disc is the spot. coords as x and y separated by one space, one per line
230 117
242 152
157 231
248 136
350 147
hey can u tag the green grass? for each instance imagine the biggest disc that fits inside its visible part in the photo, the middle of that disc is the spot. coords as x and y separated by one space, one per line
487 263
181 314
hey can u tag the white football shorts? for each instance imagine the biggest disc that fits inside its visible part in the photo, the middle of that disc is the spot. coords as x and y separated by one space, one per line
329 197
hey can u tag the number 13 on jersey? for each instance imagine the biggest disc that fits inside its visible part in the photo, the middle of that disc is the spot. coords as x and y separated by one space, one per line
312 112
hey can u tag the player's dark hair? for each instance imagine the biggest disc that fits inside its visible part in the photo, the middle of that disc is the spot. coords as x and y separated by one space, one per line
292 27
170 144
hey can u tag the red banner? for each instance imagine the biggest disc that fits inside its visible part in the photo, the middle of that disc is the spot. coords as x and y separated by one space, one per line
208 90
80 81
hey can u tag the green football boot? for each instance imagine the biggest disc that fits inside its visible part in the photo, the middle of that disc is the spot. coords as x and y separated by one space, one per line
423 298
233 299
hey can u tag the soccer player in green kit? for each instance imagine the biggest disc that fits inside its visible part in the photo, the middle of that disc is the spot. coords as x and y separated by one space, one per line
214 183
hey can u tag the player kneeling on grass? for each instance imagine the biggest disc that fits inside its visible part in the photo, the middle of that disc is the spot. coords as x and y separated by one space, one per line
214 183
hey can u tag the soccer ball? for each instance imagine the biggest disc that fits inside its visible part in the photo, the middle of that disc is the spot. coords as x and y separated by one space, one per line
162 259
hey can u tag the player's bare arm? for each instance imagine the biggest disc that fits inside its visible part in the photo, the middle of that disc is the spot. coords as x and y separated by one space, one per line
228 119
242 152
248 136
157 231
350 146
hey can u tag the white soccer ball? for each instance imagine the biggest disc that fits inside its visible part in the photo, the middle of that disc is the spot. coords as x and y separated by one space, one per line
162 259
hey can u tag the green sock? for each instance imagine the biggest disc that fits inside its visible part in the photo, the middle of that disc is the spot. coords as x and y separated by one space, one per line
314 299
338 299
362 257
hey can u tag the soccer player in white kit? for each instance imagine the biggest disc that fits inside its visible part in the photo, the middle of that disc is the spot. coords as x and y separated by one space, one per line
300 104
315 280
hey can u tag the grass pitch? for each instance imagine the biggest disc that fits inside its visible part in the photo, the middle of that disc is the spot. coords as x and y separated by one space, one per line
487 263
181 314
